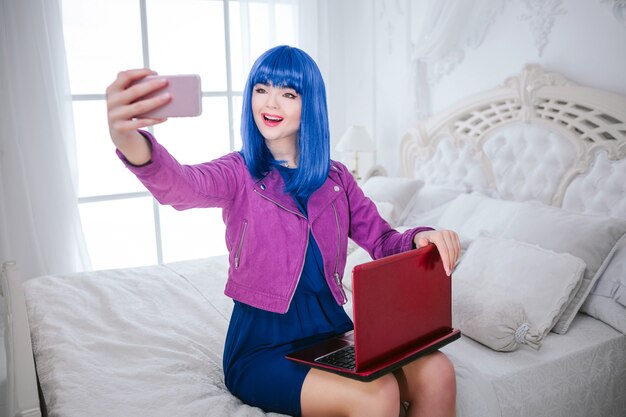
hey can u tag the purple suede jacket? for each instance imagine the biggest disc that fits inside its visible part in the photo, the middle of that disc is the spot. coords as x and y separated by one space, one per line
266 235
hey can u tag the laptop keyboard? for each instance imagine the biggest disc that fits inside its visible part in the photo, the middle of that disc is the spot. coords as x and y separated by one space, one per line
342 358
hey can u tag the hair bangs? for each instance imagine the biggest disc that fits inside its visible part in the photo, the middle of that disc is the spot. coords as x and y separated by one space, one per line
281 69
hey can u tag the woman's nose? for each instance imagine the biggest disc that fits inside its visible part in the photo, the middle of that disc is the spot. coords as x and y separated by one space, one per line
271 101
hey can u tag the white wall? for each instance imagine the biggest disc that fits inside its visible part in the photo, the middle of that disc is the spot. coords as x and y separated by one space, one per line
370 68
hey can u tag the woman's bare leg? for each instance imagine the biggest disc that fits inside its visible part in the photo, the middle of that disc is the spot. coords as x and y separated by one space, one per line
328 395
429 385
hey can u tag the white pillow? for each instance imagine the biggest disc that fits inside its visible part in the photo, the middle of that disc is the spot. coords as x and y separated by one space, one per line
472 215
500 324
386 210
607 299
538 279
395 190
357 257
427 205
590 238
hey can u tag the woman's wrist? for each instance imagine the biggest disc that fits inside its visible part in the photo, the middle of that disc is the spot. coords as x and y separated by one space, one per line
137 149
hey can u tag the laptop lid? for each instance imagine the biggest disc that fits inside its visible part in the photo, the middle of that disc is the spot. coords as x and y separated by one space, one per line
399 302
401 310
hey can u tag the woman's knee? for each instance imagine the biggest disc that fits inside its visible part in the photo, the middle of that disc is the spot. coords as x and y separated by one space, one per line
328 394
428 375
380 397
442 368
436 380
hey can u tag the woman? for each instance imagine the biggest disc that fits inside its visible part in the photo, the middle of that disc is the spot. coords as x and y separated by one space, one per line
289 211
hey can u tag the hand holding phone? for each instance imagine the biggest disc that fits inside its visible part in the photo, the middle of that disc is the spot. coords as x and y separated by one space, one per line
186 93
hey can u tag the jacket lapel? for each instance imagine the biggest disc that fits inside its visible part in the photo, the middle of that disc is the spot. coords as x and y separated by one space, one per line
324 196
272 187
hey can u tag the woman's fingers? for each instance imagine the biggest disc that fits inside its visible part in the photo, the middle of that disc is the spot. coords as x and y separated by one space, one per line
132 110
126 90
448 245
125 103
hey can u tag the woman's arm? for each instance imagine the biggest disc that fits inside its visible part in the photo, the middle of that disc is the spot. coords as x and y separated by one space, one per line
211 184
124 103
372 232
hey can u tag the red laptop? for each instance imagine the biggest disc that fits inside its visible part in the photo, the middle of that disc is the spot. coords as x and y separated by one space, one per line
402 310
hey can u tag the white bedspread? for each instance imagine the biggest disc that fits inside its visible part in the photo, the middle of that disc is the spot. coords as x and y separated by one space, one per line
148 341
134 342
569 376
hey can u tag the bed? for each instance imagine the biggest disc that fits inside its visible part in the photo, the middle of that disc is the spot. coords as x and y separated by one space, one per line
532 174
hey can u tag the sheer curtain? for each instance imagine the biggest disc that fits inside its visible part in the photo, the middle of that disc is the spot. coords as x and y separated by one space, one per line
441 31
39 219
313 30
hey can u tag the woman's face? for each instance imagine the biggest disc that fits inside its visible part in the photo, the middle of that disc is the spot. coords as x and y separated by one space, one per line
276 112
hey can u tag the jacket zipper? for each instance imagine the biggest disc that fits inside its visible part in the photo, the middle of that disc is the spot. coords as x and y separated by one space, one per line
243 235
308 231
336 273
306 248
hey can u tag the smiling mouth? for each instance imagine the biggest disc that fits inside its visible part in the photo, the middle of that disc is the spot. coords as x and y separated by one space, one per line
271 120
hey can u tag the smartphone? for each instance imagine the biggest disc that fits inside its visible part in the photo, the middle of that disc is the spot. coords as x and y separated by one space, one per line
186 95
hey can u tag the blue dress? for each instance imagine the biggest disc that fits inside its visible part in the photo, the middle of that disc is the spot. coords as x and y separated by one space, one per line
257 341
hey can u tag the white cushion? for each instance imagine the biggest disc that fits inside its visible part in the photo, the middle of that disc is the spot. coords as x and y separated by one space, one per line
527 160
540 280
590 238
357 257
427 205
500 324
386 210
607 300
601 190
454 165
392 190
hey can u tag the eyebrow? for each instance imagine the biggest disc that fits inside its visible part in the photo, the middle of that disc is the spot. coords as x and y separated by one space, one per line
270 84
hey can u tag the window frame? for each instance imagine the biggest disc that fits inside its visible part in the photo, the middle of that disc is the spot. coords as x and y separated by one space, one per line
230 94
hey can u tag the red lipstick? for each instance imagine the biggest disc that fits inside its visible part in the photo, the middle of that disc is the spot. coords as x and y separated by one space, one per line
271 120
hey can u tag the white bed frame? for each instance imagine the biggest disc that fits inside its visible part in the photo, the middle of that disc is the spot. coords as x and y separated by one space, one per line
22 390
592 120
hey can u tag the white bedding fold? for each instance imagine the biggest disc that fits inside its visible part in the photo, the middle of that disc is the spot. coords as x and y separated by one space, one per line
129 343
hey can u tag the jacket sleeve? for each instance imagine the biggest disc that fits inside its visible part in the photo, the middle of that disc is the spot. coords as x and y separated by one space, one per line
211 184
368 229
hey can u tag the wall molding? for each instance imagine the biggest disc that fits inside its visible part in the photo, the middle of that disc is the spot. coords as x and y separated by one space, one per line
618 8
541 15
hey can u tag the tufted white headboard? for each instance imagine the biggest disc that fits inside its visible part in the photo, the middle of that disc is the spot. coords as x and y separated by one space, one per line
538 137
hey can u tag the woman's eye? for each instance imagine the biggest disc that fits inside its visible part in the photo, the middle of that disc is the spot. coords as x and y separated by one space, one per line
290 95
260 90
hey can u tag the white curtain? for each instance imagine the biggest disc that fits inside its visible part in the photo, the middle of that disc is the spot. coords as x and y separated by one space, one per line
308 15
39 219
441 31
313 30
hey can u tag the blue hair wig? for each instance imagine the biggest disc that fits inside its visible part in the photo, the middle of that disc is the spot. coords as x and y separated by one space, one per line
289 67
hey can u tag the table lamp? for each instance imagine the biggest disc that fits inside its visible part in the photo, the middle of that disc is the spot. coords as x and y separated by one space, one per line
356 139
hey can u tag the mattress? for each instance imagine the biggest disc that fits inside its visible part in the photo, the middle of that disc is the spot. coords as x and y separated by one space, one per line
567 377
121 342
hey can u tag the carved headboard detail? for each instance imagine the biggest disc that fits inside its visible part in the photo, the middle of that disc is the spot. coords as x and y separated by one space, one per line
530 138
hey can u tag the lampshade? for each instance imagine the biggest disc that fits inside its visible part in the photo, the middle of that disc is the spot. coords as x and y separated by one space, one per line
356 138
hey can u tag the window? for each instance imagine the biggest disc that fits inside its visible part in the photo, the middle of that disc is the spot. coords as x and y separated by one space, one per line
218 39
